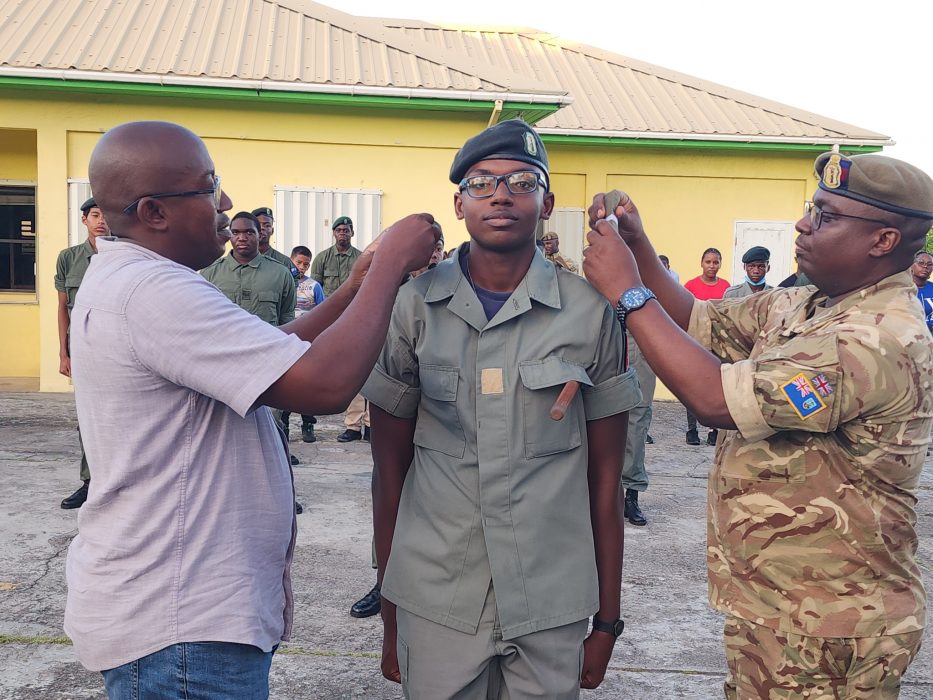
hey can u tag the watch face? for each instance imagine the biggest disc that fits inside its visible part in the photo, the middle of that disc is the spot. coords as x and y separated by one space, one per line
634 298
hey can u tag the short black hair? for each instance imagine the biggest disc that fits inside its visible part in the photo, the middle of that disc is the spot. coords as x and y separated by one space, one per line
301 250
246 215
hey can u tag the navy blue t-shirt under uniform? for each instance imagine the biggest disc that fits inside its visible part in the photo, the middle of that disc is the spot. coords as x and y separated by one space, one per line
491 301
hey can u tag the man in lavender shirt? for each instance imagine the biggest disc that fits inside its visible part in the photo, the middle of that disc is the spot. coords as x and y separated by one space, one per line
178 581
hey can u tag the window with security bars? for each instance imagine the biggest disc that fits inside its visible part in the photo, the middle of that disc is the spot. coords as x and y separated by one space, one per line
17 239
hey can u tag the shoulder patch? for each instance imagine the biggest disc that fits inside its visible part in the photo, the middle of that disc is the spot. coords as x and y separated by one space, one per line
801 395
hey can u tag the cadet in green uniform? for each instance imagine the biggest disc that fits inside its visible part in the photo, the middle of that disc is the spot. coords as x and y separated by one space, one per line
69 272
250 279
266 231
757 264
823 392
498 531
552 252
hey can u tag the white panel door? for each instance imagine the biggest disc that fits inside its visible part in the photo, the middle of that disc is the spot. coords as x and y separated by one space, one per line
79 191
304 216
569 225
776 236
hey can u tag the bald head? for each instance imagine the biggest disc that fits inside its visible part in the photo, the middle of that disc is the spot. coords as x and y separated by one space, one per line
163 175
139 158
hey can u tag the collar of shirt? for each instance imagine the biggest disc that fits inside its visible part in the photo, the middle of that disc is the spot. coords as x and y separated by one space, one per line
255 262
813 312
448 282
87 248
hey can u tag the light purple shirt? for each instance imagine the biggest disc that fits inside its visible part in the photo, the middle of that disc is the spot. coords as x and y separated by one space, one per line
188 530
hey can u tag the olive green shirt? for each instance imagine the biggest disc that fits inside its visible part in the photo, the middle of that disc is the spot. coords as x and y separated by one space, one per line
262 286
332 268
283 259
497 490
70 268
811 509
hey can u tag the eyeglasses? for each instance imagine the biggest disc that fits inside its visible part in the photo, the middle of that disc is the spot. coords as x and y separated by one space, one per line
923 263
817 214
215 190
483 186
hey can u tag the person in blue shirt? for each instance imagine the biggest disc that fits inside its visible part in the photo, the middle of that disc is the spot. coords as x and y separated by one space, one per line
920 270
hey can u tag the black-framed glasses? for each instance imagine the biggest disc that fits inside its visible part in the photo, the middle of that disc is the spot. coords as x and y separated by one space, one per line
483 186
817 214
215 190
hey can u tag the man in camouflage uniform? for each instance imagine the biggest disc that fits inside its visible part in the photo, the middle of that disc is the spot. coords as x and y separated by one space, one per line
552 252
69 273
823 394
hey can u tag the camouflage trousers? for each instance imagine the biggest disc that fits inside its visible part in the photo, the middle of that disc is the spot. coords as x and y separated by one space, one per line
766 664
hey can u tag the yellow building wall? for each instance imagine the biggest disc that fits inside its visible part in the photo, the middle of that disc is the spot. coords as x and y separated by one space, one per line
19 311
688 199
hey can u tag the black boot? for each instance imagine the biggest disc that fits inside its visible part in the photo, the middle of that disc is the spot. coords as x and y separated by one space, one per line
369 605
307 432
349 435
711 437
692 437
77 499
632 512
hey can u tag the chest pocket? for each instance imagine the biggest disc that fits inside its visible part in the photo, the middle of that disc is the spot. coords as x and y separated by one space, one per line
542 381
438 427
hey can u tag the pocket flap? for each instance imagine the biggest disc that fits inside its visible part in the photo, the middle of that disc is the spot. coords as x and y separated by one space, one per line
439 383
551 371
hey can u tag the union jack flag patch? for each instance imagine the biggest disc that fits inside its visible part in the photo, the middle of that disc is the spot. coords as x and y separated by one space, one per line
803 397
822 385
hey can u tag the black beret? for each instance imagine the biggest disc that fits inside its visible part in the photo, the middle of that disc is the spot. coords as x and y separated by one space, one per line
88 205
509 140
263 211
882 182
755 253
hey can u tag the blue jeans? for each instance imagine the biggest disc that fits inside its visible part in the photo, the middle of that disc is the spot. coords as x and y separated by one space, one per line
193 671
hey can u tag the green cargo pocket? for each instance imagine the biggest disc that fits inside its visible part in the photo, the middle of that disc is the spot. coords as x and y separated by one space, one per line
542 382
438 427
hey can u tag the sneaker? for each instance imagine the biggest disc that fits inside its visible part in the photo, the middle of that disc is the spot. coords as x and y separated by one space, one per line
692 437
632 512
307 432
77 499
711 436
369 605
349 435
648 439
366 433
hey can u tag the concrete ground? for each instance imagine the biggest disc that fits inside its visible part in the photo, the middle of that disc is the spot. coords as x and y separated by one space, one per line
671 647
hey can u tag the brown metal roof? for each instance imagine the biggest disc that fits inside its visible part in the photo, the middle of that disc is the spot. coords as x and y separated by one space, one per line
273 40
311 47
618 96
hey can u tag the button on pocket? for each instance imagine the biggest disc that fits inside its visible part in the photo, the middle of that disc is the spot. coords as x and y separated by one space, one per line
542 381
438 427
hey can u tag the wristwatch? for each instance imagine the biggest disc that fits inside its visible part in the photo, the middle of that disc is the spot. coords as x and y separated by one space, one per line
632 300
613 628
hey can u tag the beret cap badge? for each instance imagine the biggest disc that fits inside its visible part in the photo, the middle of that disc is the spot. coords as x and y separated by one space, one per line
531 148
832 173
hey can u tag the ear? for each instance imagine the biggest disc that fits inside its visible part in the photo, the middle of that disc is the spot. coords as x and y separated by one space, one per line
886 241
458 205
548 206
152 213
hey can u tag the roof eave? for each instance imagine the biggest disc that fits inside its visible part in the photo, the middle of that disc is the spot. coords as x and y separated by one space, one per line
730 140
544 99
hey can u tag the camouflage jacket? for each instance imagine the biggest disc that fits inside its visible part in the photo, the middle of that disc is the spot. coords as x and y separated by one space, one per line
811 506
563 261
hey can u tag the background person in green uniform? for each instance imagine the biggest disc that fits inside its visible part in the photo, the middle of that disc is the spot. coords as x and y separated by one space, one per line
251 280
822 394
331 268
266 231
69 272
498 529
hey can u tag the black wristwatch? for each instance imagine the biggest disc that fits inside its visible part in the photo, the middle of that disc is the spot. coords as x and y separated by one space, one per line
613 628
632 300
